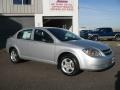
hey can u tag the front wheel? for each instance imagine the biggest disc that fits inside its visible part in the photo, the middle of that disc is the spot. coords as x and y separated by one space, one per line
95 38
69 65
117 38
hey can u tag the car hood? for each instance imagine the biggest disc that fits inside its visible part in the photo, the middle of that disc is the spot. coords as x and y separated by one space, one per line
88 43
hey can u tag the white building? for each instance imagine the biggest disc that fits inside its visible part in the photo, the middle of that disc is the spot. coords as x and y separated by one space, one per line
40 13
59 13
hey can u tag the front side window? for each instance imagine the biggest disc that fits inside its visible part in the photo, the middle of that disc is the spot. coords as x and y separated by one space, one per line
21 2
101 30
26 34
40 35
107 30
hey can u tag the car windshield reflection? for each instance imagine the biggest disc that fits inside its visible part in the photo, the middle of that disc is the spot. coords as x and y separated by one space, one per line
63 35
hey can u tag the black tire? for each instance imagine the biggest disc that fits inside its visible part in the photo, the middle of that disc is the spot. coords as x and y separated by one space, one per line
95 38
117 37
74 64
14 57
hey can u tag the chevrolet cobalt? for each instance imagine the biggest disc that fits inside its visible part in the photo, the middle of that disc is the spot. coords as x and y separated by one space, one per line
60 47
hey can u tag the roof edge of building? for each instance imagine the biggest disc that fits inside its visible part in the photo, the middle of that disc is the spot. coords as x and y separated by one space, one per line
16 14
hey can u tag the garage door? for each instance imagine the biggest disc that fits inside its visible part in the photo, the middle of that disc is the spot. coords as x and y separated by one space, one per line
61 22
10 25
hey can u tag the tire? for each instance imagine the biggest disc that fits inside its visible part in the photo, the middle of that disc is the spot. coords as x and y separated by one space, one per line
69 65
95 38
14 57
117 38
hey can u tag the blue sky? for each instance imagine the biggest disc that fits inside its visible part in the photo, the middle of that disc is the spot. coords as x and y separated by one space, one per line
99 13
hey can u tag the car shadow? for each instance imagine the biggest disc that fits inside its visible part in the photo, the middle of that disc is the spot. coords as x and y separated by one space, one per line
24 61
117 83
8 27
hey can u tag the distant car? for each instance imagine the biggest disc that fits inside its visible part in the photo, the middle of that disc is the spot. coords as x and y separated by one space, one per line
61 47
84 33
104 33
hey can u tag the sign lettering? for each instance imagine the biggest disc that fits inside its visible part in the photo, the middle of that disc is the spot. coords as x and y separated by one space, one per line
61 5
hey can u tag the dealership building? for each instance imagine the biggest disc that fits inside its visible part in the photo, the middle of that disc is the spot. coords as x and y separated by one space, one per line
15 14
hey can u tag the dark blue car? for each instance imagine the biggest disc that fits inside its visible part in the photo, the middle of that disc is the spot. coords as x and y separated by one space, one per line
104 33
84 33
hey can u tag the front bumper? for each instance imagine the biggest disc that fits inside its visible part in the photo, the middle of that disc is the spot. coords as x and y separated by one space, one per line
97 64
101 67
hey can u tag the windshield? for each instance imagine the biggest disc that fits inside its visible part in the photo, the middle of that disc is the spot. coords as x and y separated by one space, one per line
63 35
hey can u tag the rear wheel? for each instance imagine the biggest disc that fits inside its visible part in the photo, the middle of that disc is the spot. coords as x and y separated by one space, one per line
69 65
14 57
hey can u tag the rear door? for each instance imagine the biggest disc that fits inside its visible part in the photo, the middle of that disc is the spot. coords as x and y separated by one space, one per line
24 40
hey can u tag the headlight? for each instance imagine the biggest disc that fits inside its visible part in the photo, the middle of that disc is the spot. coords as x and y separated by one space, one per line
92 52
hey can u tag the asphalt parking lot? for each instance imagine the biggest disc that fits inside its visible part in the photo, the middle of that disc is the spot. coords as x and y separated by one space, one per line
32 75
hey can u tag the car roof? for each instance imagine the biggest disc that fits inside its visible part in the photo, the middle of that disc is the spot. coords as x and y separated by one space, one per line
43 28
104 28
38 28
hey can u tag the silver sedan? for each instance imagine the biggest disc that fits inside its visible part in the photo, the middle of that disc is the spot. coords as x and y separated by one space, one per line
60 47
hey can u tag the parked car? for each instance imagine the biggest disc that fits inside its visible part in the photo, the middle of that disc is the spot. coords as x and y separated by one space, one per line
104 33
84 33
61 47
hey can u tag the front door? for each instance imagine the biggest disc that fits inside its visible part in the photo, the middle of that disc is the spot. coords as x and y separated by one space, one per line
42 47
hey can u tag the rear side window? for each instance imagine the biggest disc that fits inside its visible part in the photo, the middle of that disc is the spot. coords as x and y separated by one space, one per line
26 34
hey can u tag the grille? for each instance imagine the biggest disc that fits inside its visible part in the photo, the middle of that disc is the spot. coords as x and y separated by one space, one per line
107 52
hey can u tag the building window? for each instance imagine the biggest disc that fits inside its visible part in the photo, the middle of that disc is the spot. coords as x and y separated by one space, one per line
21 1
17 1
26 1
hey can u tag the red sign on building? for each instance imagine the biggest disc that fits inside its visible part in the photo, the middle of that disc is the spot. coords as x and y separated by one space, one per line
62 1
61 5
